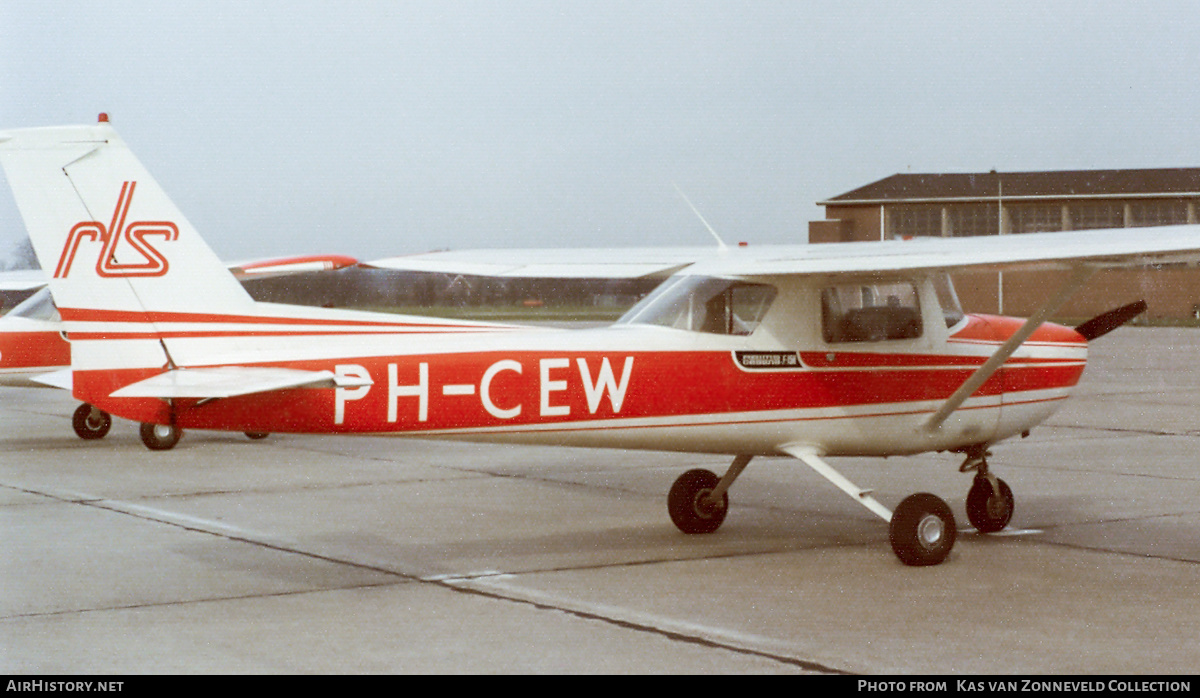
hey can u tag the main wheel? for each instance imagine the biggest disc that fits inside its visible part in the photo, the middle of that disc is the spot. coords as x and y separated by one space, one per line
988 511
256 435
922 530
688 502
160 437
90 423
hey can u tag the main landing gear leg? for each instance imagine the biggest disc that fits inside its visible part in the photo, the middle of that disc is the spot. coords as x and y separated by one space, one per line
990 500
922 529
699 500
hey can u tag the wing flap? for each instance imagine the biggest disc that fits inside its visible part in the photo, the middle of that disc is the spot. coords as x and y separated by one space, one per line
231 381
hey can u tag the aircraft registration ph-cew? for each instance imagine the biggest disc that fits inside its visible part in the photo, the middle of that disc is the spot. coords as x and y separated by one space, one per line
809 351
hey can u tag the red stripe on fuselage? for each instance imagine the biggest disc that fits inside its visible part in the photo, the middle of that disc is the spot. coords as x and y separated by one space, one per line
33 350
538 388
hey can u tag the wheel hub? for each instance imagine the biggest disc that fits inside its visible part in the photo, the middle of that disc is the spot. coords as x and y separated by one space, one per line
704 505
997 507
930 531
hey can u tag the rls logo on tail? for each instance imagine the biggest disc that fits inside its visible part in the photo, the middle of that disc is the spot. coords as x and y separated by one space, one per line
133 234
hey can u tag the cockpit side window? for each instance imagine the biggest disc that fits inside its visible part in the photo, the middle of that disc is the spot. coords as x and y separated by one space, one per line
705 304
871 312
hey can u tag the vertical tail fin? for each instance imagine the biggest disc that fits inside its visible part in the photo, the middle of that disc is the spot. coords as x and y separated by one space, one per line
123 259
106 228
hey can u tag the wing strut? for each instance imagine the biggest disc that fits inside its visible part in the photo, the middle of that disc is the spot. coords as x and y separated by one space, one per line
1078 278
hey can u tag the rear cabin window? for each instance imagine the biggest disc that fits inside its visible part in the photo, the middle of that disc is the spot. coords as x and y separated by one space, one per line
704 304
870 312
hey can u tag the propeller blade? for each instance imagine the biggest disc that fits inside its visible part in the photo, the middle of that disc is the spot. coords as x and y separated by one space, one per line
1104 323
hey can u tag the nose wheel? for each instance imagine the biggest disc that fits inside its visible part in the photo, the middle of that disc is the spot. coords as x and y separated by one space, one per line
990 500
989 504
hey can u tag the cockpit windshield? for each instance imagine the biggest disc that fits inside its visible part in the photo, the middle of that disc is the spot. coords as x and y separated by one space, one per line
704 304
39 306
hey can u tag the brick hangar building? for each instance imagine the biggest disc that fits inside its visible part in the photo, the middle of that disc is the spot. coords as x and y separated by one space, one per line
1011 203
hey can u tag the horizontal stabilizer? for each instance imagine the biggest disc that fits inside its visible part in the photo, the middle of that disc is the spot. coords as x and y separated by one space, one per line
232 381
56 379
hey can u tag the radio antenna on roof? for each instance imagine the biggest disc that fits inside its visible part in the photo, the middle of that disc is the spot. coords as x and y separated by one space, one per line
720 242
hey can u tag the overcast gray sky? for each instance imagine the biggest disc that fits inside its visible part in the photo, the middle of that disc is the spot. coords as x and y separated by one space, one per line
381 128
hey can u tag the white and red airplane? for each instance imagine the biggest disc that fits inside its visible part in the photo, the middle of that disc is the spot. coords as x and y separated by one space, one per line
808 351
34 350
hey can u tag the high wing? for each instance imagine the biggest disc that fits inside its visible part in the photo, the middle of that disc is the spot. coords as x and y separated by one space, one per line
629 263
1093 249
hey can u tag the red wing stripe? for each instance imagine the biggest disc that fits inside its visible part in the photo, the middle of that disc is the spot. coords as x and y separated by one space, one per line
414 329
127 316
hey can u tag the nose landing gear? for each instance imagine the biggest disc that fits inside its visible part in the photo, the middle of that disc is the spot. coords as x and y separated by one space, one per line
990 500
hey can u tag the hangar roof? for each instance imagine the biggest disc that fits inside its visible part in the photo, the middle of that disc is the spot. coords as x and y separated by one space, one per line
1068 184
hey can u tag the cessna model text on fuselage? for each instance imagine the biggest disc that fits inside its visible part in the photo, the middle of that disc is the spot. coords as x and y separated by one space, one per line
807 351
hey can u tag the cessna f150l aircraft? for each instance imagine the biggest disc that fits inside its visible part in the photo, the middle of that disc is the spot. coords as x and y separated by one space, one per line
807 351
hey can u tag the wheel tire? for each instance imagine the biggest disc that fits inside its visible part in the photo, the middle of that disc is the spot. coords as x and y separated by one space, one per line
684 502
986 511
160 437
256 435
89 427
922 530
